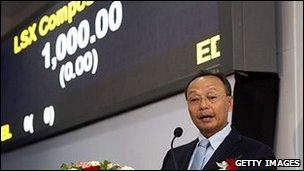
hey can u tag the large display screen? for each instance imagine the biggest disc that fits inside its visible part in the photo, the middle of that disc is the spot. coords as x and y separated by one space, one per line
80 62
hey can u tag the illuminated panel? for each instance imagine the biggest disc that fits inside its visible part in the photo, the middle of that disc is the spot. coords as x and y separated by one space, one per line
207 50
80 62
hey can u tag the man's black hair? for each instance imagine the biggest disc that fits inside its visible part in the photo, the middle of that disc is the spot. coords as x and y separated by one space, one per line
218 75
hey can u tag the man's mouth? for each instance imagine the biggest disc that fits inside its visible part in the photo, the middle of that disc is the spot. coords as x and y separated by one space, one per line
206 118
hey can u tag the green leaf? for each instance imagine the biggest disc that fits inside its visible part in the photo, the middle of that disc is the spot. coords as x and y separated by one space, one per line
104 165
115 167
75 168
64 167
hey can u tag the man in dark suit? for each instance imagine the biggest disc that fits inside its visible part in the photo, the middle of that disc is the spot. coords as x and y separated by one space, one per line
218 145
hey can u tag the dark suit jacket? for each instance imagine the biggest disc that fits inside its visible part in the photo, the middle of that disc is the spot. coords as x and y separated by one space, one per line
234 146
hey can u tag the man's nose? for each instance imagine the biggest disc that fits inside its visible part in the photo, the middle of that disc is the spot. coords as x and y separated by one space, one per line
204 104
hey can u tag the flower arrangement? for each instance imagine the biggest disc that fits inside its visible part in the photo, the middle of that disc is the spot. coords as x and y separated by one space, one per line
229 164
94 165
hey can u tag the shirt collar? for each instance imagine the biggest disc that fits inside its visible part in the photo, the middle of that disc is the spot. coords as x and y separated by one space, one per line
216 139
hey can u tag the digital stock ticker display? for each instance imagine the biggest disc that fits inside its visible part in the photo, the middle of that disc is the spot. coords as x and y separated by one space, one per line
80 62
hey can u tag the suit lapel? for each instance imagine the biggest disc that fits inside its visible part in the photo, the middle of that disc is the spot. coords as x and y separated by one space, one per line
228 149
189 150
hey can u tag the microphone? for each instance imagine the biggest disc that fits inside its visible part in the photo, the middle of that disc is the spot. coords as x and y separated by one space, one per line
177 133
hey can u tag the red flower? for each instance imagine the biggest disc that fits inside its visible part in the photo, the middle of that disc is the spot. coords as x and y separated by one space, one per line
231 164
88 166
92 168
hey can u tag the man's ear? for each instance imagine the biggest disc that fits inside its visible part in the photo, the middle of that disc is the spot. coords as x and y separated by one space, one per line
230 104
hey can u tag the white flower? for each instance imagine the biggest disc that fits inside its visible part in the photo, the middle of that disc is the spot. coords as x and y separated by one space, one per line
126 168
223 165
110 165
94 163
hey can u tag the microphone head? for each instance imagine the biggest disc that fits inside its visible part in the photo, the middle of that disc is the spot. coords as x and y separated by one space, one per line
178 132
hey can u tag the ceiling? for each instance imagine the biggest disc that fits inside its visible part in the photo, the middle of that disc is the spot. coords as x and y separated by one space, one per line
14 12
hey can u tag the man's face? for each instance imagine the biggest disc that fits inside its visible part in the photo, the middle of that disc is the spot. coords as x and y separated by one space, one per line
208 104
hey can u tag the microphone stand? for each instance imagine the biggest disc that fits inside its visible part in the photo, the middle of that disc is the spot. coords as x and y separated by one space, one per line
173 156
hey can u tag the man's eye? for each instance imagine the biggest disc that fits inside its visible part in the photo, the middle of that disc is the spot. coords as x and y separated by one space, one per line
211 97
194 99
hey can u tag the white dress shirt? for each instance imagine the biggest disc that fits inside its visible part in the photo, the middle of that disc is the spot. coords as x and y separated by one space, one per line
215 141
